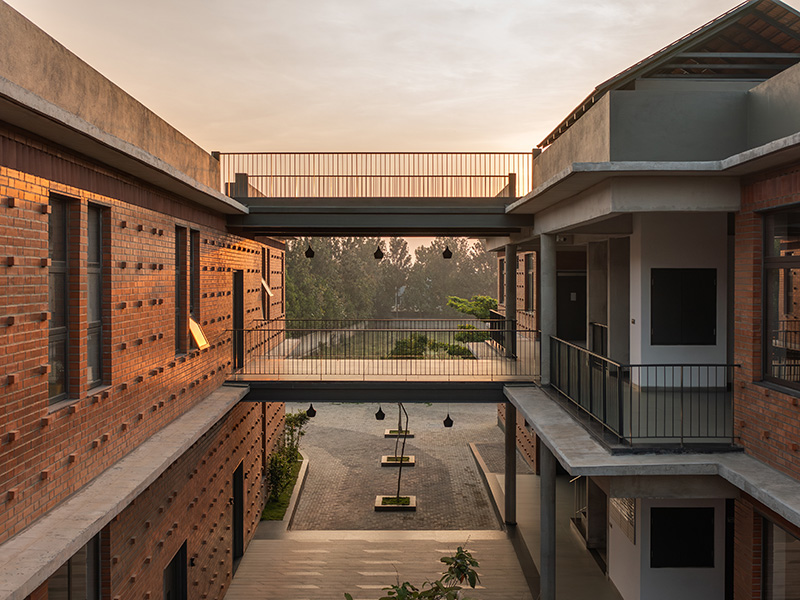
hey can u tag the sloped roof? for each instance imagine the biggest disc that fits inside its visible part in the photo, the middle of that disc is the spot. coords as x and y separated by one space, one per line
752 42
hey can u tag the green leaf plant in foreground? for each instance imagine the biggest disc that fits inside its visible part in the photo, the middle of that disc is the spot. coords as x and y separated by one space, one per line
460 569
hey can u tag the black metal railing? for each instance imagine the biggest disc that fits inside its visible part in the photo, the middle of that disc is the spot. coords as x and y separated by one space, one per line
646 404
349 348
376 174
598 338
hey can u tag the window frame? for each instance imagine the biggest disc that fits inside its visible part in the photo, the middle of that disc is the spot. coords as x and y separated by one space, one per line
777 263
59 335
95 327
768 527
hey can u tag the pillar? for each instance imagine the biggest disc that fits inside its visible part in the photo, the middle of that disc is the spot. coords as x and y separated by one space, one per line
511 301
547 516
619 302
547 293
511 464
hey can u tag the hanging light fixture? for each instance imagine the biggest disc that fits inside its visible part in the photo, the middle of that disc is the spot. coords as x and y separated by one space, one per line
378 253
448 422
309 252
311 412
380 415
447 254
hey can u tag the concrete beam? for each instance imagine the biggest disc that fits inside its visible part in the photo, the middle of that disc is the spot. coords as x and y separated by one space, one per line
511 464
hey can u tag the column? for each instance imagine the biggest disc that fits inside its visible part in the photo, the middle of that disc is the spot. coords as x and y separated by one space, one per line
547 293
511 464
547 523
511 301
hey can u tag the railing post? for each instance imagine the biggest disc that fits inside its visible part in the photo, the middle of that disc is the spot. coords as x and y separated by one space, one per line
621 405
512 187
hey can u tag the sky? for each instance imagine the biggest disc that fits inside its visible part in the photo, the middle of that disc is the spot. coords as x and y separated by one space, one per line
365 75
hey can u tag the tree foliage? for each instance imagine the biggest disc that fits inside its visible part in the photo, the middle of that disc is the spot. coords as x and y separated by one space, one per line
477 306
344 281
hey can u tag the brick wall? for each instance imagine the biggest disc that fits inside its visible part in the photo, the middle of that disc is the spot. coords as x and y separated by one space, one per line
767 420
527 442
48 452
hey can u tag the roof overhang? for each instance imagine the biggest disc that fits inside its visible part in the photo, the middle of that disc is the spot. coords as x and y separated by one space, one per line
24 109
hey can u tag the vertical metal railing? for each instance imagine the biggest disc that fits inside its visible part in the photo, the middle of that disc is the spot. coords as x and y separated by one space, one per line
358 348
646 404
375 174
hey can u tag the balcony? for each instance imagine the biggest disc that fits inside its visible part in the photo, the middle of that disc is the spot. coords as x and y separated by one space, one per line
390 350
646 405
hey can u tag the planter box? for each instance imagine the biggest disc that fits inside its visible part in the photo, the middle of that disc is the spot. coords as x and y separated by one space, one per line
387 433
386 461
380 507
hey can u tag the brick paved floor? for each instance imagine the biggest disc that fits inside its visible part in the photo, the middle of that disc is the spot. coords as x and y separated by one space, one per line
344 444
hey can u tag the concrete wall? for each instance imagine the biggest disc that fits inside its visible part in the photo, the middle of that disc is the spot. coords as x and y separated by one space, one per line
586 141
773 108
35 61
686 584
676 240
677 125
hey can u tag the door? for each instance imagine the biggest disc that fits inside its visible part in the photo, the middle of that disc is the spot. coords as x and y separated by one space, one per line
571 306
238 514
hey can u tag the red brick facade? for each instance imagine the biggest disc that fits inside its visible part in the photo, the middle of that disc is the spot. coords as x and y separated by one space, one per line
49 451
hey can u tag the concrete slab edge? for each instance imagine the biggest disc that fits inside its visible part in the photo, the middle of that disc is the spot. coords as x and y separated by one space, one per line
34 554
492 486
288 517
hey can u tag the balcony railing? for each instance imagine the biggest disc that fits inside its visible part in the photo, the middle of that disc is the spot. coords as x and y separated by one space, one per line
392 349
646 404
376 174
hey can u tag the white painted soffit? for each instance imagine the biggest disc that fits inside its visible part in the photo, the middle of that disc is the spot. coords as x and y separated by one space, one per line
579 177
26 110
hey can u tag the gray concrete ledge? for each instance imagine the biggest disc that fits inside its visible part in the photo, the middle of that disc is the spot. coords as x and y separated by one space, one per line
33 555
581 454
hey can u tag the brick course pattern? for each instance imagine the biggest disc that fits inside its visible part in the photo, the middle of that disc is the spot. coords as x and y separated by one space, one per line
767 421
49 451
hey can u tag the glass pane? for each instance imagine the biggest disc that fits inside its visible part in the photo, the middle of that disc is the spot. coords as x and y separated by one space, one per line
57 299
58 231
58 366
94 309
94 356
58 584
783 234
782 581
77 577
783 324
94 236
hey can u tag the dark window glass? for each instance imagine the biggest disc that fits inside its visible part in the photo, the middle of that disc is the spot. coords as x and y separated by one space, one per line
175 587
194 275
265 278
683 307
781 564
94 315
681 537
79 577
530 283
502 287
57 299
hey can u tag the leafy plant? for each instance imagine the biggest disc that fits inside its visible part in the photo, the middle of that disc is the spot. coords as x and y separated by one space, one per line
413 346
477 306
279 469
460 569
470 334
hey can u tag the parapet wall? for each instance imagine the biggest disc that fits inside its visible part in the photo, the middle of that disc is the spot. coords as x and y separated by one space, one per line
33 60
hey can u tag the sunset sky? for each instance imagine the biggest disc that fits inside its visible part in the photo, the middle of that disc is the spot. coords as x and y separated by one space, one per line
365 75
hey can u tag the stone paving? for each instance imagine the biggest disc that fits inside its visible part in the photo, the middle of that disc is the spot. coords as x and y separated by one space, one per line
344 444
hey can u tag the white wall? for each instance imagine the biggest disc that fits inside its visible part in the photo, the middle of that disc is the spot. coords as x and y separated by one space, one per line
624 562
685 584
676 240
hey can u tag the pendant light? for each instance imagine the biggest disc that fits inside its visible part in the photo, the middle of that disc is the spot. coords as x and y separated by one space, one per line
311 412
447 254
378 253
380 415
309 252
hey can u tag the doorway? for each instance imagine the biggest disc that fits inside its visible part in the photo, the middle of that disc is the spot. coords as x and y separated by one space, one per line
571 306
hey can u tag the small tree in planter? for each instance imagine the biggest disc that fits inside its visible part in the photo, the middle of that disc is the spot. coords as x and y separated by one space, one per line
279 470
460 569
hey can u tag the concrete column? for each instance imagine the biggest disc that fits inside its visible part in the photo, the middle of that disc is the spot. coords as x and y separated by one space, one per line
511 464
619 299
547 523
547 303
597 294
511 300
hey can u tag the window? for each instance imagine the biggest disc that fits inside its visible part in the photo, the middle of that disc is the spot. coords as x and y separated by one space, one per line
57 298
781 297
79 577
681 537
530 283
94 315
266 293
501 294
194 275
781 563
683 307
181 300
